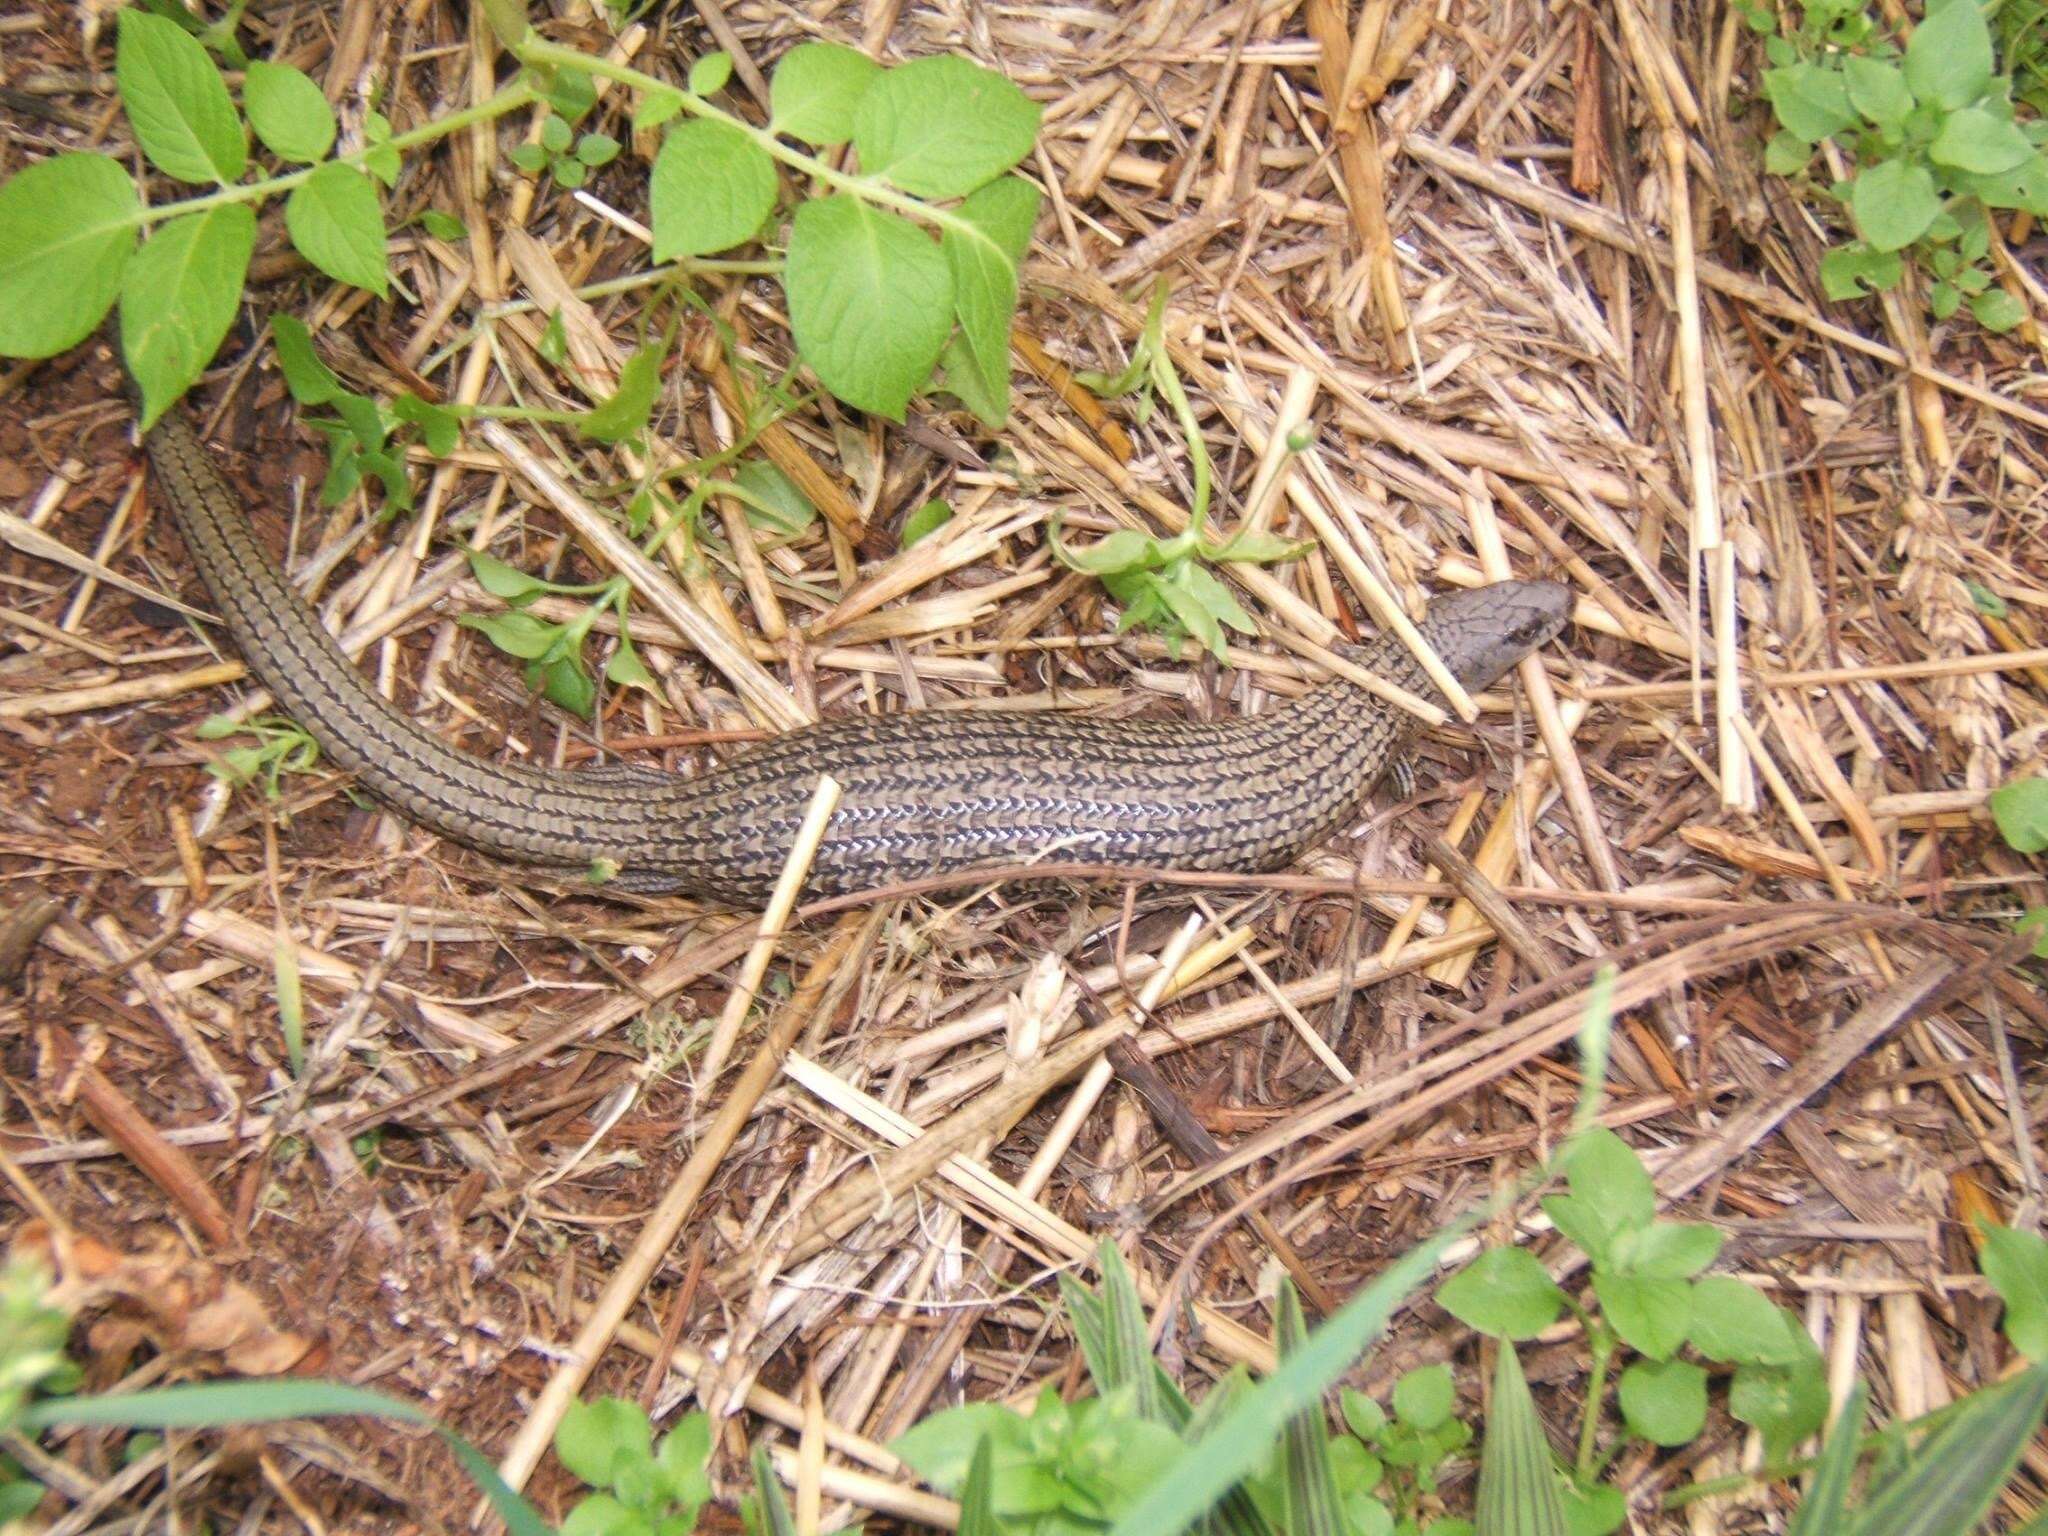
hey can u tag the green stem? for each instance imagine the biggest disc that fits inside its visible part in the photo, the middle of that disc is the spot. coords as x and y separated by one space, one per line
511 99
1596 1387
534 49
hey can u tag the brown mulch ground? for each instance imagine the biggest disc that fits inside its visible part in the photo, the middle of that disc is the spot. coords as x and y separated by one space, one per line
1776 832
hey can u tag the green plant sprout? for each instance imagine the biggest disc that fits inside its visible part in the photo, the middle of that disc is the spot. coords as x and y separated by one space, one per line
1933 144
639 1489
1166 584
1651 1302
280 747
936 139
564 154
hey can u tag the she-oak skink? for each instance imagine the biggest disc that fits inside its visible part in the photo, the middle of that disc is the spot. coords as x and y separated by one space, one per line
922 794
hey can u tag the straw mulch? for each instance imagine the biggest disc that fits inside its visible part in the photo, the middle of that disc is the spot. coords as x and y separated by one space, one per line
1540 314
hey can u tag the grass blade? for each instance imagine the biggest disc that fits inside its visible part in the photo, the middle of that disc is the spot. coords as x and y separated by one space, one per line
214 1404
1950 1480
1821 1510
1517 1478
1209 1467
1311 1483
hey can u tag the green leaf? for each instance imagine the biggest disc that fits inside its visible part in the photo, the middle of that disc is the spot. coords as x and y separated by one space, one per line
1786 1403
530 158
1877 89
595 149
67 227
2025 187
556 134
178 299
1669 1250
1664 1401
1650 1315
443 226
1949 1482
1366 1417
2021 811
595 1439
569 173
310 380
1518 1493
1974 140
571 92
1505 1293
774 501
625 669
985 281
1893 202
1997 310
2016 1264
870 301
1424 1397
1737 1323
602 1515
684 1454
1237 1442
1948 58
1593 1511
503 581
1787 153
626 413
924 522
712 188
939 1446
1943 299
815 91
1603 1168
440 428
177 102
288 112
656 107
1810 101
508 21
942 126
515 633
709 74
336 224
1850 271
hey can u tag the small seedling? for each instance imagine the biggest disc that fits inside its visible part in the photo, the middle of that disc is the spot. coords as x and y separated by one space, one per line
280 747
553 651
1166 584
639 1489
564 154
